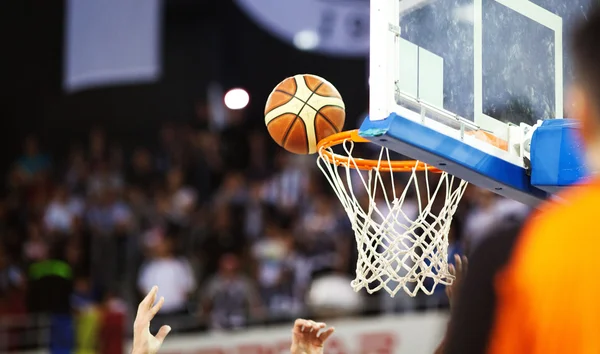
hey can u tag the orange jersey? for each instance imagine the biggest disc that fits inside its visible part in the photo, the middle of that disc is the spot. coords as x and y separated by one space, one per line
547 296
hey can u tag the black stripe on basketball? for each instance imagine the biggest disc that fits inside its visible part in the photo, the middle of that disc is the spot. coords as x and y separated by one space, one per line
287 132
273 106
306 102
302 128
317 131
326 118
287 93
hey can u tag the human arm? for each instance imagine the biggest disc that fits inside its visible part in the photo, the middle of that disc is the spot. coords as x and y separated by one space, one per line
473 309
308 337
143 341
459 271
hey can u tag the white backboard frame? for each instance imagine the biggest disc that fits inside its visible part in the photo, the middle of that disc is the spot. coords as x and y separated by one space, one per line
385 81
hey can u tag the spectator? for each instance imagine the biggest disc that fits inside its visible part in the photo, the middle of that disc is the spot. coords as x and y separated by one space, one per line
12 287
98 152
200 173
223 237
169 149
286 187
51 282
12 280
320 229
32 163
254 211
172 274
182 198
230 300
103 179
35 248
209 144
270 254
110 221
113 310
109 213
62 211
77 171
233 190
142 174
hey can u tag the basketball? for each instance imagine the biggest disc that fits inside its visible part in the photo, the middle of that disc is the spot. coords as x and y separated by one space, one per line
302 110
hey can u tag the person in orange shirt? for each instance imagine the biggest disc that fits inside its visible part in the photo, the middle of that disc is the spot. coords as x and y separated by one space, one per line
536 293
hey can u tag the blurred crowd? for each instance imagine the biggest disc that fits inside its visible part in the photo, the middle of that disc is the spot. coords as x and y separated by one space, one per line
231 228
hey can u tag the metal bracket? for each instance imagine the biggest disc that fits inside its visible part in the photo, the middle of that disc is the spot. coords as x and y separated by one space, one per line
395 29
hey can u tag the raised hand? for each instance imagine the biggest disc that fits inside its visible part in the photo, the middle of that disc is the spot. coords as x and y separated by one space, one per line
459 271
308 337
143 341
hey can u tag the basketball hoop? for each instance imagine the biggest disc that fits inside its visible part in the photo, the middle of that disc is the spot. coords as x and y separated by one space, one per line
401 226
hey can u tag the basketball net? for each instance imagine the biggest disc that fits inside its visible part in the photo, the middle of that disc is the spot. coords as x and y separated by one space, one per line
401 225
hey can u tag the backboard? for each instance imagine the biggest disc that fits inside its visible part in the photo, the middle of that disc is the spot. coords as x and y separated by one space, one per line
463 84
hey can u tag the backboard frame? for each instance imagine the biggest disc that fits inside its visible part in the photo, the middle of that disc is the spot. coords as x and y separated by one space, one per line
438 137
542 17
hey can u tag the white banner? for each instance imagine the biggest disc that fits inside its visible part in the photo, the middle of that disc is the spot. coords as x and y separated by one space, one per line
111 42
338 27
406 334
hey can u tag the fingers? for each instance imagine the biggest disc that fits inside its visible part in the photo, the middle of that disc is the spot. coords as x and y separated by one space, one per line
461 263
306 326
162 333
313 330
312 326
458 262
299 323
451 269
147 309
154 310
326 334
149 299
318 326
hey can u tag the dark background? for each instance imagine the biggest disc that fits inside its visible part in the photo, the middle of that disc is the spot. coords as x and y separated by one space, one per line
194 34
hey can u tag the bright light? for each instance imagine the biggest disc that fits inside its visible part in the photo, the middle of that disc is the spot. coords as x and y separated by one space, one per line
236 98
306 40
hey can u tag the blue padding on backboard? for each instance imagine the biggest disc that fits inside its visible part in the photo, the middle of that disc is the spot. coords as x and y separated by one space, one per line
454 156
557 158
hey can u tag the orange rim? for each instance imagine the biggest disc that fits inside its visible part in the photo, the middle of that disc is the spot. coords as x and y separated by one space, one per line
364 164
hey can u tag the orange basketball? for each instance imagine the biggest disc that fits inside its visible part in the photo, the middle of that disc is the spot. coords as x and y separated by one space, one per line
302 110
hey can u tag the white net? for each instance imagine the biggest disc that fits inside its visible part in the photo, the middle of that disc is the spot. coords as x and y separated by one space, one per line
401 220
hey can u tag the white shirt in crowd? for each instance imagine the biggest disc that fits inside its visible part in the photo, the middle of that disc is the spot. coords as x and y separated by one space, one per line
59 216
270 254
174 278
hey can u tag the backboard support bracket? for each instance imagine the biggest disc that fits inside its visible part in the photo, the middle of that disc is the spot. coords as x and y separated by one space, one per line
454 156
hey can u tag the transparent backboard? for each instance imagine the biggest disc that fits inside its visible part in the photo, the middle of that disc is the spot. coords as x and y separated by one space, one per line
472 67
490 61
